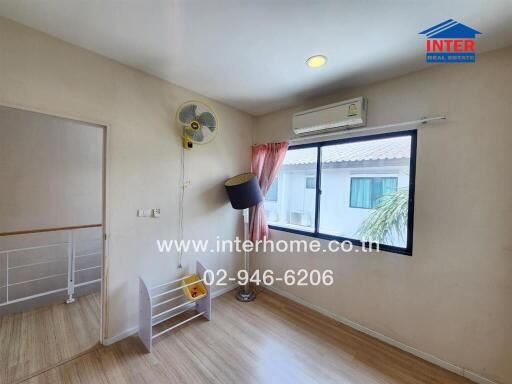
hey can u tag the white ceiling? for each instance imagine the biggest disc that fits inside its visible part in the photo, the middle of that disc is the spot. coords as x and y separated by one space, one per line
251 53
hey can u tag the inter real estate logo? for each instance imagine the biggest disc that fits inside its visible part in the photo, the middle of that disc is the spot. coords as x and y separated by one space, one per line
450 42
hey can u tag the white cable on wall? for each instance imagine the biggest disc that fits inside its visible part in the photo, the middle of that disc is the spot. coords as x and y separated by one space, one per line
180 205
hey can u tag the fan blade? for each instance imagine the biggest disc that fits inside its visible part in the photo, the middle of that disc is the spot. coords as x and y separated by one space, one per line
189 132
196 136
187 114
207 119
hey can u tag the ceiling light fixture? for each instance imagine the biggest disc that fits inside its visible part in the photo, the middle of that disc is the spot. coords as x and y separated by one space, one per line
316 61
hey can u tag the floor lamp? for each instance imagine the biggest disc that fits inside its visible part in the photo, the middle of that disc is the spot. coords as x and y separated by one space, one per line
244 192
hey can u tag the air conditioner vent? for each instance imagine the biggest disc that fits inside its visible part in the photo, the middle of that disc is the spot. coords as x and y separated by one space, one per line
340 116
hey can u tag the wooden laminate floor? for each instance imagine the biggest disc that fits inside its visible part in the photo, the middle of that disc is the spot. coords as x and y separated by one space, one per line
271 340
34 340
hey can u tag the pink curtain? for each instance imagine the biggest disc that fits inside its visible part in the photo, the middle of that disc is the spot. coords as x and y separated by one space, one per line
266 160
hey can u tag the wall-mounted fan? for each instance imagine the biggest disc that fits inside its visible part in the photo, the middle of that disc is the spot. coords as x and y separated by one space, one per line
197 123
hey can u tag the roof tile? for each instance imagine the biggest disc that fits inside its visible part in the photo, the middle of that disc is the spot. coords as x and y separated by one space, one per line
391 148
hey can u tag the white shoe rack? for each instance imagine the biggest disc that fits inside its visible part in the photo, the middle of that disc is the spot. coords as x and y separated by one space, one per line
153 298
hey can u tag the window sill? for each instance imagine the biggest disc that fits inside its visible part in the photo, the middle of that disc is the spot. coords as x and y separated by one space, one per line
292 227
357 243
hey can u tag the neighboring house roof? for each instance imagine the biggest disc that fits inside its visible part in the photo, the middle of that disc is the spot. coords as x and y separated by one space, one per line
450 29
382 149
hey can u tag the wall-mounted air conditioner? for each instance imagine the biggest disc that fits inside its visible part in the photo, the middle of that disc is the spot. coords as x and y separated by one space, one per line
339 116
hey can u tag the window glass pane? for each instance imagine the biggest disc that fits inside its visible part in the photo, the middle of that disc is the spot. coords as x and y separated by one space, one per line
360 192
311 182
294 206
365 190
382 186
272 191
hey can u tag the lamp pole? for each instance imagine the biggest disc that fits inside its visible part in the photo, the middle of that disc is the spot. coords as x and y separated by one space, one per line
245 294
244 192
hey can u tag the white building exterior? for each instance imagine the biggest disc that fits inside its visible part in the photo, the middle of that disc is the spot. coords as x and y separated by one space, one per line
291 200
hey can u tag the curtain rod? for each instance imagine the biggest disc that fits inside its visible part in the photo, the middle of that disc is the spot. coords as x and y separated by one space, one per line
424 120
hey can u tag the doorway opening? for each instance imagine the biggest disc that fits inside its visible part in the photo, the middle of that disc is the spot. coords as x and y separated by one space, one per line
52 234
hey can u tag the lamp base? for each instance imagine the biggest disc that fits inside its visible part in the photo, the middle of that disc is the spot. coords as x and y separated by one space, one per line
245 296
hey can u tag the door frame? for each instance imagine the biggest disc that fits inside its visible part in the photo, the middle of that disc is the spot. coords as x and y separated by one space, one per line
105 197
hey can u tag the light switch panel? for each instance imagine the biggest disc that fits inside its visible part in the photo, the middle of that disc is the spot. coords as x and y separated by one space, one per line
144 212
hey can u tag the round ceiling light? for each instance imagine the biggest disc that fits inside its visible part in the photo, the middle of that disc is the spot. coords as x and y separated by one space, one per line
316 61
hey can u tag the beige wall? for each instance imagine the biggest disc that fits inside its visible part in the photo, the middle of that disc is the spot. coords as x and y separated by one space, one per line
42 73
452 298
52 171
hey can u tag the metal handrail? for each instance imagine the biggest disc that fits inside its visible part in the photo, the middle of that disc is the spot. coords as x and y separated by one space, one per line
71 269
34 247
55 229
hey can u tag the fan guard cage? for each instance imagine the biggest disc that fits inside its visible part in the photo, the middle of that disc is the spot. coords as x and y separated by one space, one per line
197 122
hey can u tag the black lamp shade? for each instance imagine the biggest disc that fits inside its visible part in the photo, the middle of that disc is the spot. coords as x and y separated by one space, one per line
243 191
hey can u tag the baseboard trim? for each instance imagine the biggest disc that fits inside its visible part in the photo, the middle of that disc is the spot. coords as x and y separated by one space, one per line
108 341
477 378
226 289
386 339
133 330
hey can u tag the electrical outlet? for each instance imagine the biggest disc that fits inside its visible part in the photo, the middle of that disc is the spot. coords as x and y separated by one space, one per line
156 212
